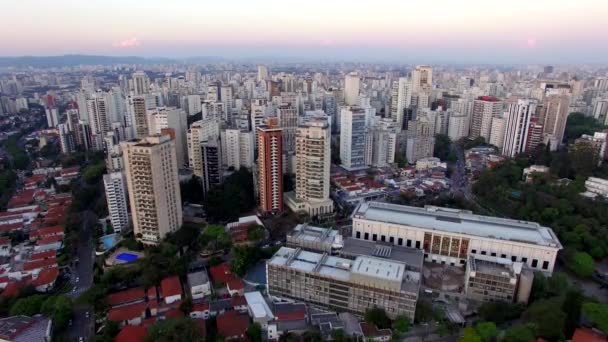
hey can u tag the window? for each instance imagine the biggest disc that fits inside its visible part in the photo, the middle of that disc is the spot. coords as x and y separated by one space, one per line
409 243
462 262
504 256
545 265
493 254
383 238
358 235
514 258
524 259
473 251
375 237
391 240
534 263
366 236
417 244
483 252
400 241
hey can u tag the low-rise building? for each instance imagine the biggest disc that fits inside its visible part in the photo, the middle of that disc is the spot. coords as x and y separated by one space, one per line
372 333
199 284
529 172
171 289
232 325
596 186
315 239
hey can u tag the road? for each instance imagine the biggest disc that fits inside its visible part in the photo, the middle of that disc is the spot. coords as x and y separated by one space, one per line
83 326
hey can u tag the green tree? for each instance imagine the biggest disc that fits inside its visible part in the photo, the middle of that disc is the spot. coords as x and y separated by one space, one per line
92 174
174 330
519 333
339 335
311 335
573 302
598 315
470 335
254 332
402 324
582 264
378 317
255 232
243 258
487 331
28 306
547 317
443 144
499 312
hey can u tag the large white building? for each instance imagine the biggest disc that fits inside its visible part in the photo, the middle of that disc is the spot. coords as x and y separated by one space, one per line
200 131
153 184
458 126
137 117
497 132
352 137
449 236
422 79
313 162
176 119
237 148
66 139
401 100
517 125
99 118
116 196
484 109
351 89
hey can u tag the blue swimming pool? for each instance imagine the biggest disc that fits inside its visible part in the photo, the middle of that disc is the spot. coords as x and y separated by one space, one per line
109 241
126 257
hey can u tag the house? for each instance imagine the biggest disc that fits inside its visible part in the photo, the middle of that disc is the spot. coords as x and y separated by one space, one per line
46 279
235 287
258 308
232 325
199 284
588 335
5 246
372 333
221 274
200 310
171 289
130 296
289 317
131 333
41 264
239 303
131 314
25 328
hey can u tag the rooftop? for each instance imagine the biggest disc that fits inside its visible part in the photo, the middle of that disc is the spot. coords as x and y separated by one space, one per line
198 278
496 266
307 233
413 258
459 222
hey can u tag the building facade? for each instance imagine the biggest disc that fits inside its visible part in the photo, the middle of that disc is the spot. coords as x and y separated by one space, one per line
116 195
270 167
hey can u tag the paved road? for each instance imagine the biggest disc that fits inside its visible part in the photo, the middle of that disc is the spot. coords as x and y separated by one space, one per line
83 326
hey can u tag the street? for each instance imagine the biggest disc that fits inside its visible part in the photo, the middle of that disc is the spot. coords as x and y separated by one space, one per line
82 326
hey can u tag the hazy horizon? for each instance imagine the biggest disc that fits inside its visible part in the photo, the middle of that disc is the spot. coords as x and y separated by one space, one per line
437 31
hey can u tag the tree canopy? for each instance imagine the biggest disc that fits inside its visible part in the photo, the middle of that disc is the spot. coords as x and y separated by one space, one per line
378 317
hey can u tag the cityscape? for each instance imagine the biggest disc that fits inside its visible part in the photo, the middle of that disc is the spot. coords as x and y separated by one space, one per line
251 175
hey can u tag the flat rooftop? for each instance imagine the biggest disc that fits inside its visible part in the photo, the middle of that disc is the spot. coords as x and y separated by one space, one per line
495 266
411 257
304 232
459 222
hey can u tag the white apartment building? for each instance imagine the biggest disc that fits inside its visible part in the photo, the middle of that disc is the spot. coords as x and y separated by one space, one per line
116 196
199 132
518 123
137 117
458 126
351 89
449 236
597 186
422 78
66 139
352 137
153 184
401 99
484 109
237 148
497 132
174 118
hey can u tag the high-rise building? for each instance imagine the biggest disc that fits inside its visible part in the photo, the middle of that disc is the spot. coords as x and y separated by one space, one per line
199 132
270 167
422 78
66 139
535 135
484 109
554 115
458 126
237 148
213 173
313 162
352 137
263 74
193 104
518 122
99 118
140 83
288 120
116 196
259 108
52 117
497 133
383 136
351 89
137 117
401 100
151 171
421 138
176 119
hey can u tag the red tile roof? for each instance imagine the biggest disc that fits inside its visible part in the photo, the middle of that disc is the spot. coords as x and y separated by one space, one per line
291 316
127 312
131 333
11 226
232 324
43 255
370 330
235 284
46 276
127 296
170 286
220 273
588 335
200 307
49 239
238 301
5 241
45 232
42 263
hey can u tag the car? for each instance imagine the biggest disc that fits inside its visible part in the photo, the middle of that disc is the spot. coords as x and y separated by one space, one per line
70 323
73 290
81 339
77 279
87 314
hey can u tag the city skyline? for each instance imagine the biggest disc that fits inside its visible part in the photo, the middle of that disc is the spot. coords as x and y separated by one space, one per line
435 31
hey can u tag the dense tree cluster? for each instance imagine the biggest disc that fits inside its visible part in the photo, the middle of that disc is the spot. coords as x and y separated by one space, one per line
579 124
231 199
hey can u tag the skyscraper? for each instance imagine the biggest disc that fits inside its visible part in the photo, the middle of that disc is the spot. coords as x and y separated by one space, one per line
176 119
517 125
52 117
351 89
352 137
116 196
554 115
140 83
313 162
99 118
484 109
288 120
213 173
422 78
263 73
66 139
401 100
270 167
153 185
136 116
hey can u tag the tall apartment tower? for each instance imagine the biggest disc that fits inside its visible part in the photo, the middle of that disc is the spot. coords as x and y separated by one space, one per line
401 100
116 196
66 139
136 116
140 83
237 148
351 89
313 162
270 167
516 130
199 132
554 115
99 118
484 109
422 78
52 117
212 163
263 73
288 120
497 135
153 185
352 137
175 118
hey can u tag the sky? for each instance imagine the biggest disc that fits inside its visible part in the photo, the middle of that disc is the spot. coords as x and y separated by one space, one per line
459 31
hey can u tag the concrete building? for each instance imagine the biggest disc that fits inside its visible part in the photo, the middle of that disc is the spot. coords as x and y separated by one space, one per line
517 125
174 118
554 114
497 132
237 148
313 162
458 126
491 279
137 118
153 184
351 89
383 136
484 109
352 137
199 284
351 285
401 100
535 135
597 186
449 236
213 173
116 197
422 79
288 121
140 83
270 167
66 139
99 118
420 139
315 239
52 117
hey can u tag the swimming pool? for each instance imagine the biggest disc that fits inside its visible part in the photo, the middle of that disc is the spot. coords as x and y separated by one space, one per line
126 257
109 241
